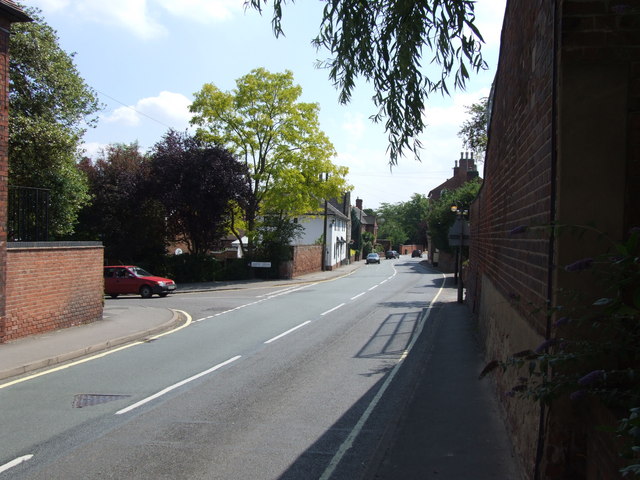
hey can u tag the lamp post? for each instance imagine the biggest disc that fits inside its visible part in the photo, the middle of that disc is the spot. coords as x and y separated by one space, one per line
457 236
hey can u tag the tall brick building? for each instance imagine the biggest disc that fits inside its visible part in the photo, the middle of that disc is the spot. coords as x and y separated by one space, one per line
9 13
564 148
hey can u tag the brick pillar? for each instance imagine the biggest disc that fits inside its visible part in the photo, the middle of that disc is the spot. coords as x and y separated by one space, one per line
4 163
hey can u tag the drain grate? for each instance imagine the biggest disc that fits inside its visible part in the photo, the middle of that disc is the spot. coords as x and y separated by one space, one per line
90 399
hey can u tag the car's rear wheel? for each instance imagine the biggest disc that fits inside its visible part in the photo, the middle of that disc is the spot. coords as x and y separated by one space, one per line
113 295
145 291
163 294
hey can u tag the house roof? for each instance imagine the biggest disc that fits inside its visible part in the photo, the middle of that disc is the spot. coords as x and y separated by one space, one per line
363 217
450 184
332 210
461 175
13 12
341 204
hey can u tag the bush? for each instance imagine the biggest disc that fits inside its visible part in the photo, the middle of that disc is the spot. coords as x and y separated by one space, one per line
188 268
234 269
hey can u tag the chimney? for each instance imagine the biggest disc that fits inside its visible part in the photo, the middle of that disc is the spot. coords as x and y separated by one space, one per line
456 168
359 203
346 203
472 171
466 165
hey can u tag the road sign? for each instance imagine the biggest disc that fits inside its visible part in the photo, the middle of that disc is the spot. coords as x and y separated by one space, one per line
261 264
459 234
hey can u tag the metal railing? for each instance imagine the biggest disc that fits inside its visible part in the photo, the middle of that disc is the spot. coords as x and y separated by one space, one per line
28 216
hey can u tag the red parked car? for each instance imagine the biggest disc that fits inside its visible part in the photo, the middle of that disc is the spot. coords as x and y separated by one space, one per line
123 279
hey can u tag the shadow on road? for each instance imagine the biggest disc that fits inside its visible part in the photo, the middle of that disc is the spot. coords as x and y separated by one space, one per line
390 341
392 337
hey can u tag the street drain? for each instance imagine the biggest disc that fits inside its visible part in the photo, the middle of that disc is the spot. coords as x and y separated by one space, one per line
91 399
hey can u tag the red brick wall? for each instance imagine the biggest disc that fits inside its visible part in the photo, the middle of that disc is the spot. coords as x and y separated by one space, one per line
52 287
307 259
4 162
563 146
517 188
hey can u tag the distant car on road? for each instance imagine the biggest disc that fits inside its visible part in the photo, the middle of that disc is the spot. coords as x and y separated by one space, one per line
372 258
123 279
416 253
391 254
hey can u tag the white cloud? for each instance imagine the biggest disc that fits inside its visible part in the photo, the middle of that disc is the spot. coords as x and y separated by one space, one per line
127 116
203 10
173 106
132 15
142 17
92 149
168 108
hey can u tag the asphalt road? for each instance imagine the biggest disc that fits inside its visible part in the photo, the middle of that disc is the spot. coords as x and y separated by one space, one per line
265 383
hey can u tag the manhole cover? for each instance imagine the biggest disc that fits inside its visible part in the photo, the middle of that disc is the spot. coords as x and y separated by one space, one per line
91 399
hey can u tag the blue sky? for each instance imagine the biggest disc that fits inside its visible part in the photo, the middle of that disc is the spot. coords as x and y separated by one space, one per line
146 59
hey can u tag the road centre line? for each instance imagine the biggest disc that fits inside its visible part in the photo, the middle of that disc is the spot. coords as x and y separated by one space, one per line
359 295
287 292
348 442
176 385
374 287
332 310
287 332
276 292
269 297
233 359
15 463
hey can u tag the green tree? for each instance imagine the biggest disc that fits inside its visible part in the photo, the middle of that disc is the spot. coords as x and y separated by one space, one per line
392 230
385 42
279 140
440 217
474 130
50 107
405 221
414 217
367 243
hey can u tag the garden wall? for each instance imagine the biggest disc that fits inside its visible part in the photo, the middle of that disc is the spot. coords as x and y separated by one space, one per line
307 259
52 285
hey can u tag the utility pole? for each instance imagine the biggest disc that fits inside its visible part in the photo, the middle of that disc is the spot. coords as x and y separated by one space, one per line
324 233
324 238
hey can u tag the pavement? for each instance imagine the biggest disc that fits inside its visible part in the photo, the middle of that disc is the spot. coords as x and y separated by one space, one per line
450 426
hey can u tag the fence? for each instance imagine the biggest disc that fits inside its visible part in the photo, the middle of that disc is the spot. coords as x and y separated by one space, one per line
28 219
